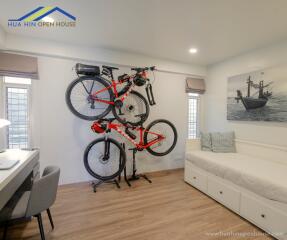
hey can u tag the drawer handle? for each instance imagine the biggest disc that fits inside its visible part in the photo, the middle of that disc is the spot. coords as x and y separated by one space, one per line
221 192
263 215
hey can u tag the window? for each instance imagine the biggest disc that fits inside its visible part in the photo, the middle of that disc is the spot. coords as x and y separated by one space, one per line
17 92
193 115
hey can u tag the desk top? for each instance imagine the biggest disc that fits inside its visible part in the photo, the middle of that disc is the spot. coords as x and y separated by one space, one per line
24 158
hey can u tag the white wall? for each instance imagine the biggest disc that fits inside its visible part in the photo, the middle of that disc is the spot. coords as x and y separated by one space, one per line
2 131
2 37
62 137
215 104
2 44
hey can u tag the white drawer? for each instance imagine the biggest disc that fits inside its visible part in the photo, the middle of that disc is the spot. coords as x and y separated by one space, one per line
227 195
195 177
187 171
271 220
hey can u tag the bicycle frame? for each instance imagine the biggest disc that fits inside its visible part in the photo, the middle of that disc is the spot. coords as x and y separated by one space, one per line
141 130
113 86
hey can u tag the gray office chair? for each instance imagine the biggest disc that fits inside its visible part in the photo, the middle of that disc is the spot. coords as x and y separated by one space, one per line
39 199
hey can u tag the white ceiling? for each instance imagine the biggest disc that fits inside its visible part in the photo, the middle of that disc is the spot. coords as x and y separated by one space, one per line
163 28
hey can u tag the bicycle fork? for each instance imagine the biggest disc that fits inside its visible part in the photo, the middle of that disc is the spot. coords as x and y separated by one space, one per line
106 150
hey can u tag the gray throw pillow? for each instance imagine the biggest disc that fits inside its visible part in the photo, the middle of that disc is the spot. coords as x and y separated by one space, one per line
223 142
205 140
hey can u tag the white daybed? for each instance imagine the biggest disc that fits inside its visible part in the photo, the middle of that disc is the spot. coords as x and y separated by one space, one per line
251 182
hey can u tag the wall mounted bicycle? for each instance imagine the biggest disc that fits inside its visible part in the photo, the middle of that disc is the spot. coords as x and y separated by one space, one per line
105 158
92 96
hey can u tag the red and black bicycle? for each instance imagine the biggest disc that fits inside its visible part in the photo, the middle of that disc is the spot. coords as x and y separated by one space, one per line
92 96
105 158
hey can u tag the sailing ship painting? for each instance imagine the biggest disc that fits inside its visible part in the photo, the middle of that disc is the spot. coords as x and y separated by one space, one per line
258 96
251 102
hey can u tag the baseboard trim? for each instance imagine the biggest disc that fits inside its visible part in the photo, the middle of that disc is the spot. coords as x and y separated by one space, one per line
159 173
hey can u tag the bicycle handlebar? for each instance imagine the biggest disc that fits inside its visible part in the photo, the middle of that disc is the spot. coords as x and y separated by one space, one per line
143 69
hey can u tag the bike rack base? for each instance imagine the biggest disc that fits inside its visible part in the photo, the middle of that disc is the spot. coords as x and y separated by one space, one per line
135 176
97 184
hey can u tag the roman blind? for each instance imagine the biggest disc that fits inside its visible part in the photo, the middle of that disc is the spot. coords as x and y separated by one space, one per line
195 85
14 65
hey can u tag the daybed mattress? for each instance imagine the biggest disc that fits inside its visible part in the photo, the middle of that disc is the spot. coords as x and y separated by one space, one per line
266 178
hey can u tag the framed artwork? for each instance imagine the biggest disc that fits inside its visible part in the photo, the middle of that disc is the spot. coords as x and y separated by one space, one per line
258 96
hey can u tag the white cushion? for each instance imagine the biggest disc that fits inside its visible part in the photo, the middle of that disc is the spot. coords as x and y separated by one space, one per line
223 142
205 140
266 178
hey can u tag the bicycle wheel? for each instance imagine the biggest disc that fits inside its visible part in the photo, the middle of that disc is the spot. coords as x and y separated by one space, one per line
80 98
164 128
104 159
134 110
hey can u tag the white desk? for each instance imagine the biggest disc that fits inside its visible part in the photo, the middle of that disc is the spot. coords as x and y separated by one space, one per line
12 179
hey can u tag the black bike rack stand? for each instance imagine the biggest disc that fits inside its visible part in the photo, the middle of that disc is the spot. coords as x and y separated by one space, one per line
125 170
96 184
135 176
117 180
114 181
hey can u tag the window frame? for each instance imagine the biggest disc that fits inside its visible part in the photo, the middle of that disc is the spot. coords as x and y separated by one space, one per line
198 114
5 86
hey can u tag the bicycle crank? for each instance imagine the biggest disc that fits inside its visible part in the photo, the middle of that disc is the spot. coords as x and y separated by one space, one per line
118 104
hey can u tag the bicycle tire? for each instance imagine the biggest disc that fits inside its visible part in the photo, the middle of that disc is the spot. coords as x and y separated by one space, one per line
78 114
122 162
142 119
149 149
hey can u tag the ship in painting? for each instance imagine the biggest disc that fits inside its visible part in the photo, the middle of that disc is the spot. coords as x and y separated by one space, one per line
253 102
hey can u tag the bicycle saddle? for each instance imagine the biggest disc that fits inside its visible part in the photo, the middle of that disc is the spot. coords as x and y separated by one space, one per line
108 71
110 68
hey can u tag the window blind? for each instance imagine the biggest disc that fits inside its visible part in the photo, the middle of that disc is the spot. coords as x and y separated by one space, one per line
195 85
14 65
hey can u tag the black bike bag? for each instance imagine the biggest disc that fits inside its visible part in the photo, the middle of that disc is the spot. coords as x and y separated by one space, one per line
88 70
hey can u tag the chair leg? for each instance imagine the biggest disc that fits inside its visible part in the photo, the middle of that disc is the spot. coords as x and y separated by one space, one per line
41 228
5 230
50 218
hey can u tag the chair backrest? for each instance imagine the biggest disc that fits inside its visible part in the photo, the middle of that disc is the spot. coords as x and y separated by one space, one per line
44 191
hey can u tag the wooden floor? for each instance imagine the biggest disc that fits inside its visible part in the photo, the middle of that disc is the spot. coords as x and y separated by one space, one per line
167 209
